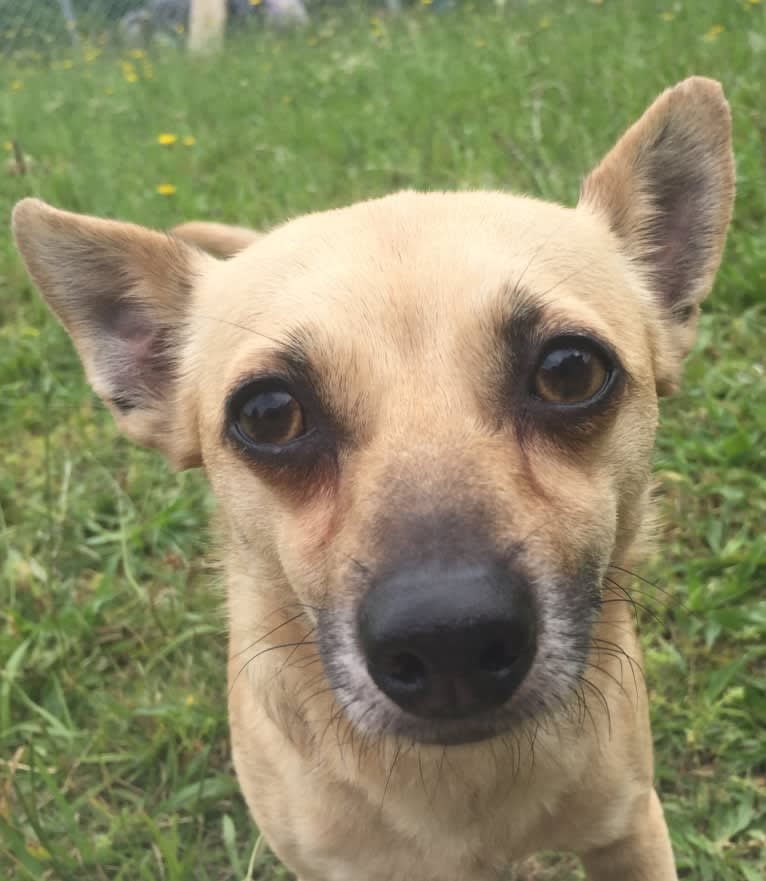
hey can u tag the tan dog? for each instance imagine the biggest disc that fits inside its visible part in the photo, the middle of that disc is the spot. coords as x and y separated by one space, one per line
428 420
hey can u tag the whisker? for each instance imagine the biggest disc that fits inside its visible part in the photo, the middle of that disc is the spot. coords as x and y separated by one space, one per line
283 645
624 596
666 600
295 649
585 681
359 565
609 675
234 324
334 716
420 773
607 646
273 630
328 689
646 581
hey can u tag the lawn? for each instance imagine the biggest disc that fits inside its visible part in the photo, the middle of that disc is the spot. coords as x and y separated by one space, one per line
114 762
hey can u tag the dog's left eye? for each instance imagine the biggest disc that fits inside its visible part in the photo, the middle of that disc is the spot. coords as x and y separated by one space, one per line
571 371
267 415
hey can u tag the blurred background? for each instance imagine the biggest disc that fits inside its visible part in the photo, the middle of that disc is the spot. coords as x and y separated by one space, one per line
33 25
114 760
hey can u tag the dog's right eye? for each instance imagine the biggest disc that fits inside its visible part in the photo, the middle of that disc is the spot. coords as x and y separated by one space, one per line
573 371
267 415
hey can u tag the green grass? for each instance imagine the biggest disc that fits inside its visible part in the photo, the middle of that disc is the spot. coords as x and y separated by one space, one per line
114 761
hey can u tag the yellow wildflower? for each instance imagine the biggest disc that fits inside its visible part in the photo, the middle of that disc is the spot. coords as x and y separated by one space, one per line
668 15
16 85
7 146
137 53
180 29
753 2
189 141
377 28
36 850
129 72
544 23
190 700
256 2
713 33
426 2
166 189
166 139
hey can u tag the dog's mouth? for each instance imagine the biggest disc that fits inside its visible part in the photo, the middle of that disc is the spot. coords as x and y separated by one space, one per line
449 732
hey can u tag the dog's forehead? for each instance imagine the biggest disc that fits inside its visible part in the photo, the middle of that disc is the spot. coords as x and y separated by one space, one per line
411 271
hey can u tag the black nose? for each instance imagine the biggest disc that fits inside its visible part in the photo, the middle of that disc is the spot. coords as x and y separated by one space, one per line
449 641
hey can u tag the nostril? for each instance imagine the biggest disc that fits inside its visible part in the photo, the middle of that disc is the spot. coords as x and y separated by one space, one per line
498 657
405 668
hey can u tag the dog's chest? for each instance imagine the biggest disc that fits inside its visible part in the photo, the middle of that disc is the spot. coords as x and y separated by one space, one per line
357 847
446 831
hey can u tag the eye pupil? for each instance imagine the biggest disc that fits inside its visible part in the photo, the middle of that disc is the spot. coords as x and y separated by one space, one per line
570 375
271 417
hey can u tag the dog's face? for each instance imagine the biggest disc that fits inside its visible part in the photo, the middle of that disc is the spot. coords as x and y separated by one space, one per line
428 418
439 442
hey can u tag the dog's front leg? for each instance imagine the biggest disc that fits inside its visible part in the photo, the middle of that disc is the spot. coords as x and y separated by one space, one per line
642 855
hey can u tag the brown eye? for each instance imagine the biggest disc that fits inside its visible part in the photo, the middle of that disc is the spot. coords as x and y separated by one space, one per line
270 416
571 374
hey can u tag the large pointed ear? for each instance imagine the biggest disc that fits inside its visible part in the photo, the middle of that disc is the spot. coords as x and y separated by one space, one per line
666 189
124 294
219 239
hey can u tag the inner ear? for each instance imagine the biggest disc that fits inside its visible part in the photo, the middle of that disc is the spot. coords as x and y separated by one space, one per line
124 294
667 189
680 232
140 362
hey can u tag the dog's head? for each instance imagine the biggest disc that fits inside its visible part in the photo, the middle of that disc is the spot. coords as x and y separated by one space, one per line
428 419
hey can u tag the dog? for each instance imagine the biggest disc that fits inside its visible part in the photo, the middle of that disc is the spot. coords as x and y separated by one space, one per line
428 421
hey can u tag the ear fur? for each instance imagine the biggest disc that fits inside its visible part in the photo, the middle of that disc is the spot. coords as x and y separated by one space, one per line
666 190
123 293
218 239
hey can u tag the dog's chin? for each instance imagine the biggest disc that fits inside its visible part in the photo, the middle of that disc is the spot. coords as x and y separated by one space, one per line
458 732
379 716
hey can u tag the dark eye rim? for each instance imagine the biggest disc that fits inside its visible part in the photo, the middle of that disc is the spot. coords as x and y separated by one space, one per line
585 342
246 390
